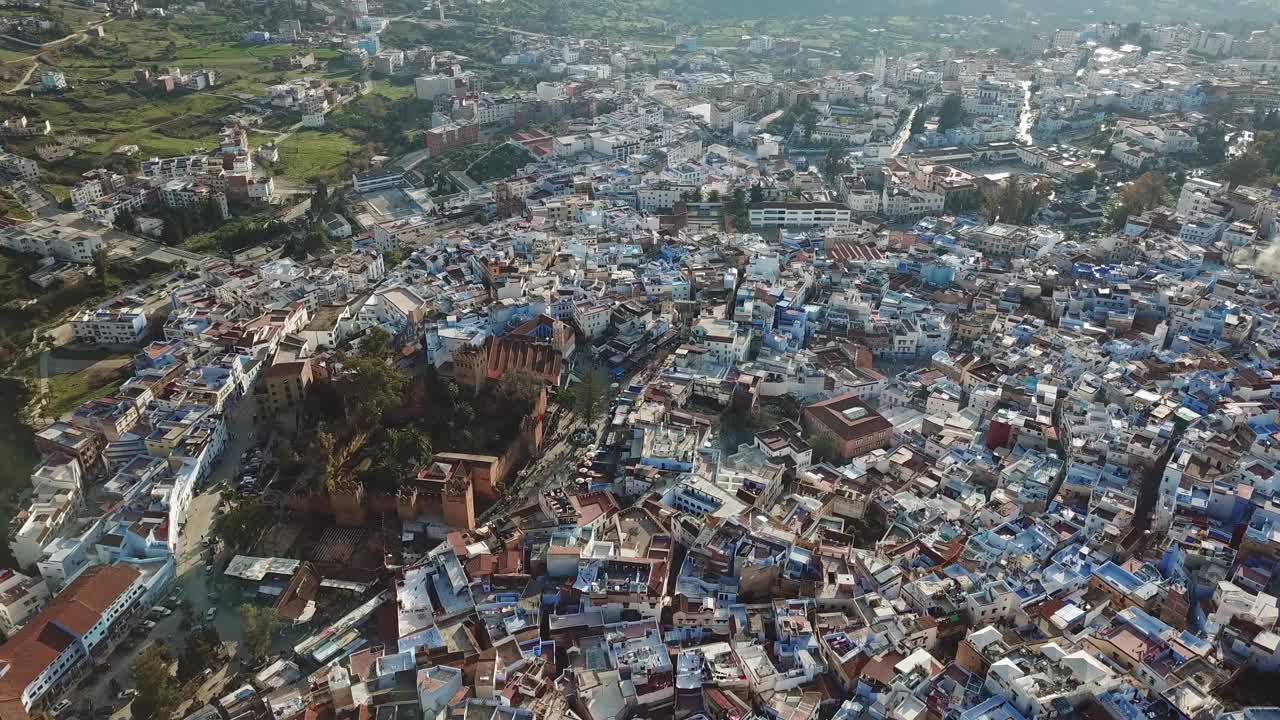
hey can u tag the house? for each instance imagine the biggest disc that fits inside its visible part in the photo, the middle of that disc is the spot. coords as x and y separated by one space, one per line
58 646
852 427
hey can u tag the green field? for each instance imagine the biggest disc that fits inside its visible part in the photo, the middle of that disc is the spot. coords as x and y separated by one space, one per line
314 153
66 392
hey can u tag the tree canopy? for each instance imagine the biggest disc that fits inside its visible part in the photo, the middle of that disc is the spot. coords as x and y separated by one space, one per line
951 114
261 625
158 694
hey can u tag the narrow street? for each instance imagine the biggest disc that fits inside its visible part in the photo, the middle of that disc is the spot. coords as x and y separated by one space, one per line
904 132
1025 118
556 463
193 585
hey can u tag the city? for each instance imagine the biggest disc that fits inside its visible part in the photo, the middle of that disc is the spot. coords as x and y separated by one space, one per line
524 360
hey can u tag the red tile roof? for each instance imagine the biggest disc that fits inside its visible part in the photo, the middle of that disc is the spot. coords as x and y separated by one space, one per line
72 613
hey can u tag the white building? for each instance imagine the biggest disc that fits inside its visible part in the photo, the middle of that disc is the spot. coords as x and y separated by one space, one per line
21 596
19 167
726 342
51 650
105 326
798 214
64 236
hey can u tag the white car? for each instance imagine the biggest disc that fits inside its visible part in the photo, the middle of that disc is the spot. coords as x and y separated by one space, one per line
60 706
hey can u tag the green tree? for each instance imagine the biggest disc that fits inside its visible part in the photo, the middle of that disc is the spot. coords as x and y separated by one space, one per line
836 162
951 114
757 194
1136 198
261 625
375 344
102 264
589 393
1016 202
738 210
1212 144
210 214
124 221
242 525
917 121
320 199
403 451
370 382
1245 169
158 694
809 123
197 656
1086 179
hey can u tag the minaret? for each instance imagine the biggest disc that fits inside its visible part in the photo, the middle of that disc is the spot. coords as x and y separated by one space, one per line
440 8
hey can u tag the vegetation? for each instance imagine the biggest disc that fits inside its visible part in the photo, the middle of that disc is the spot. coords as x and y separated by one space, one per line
802 114
182 223
1136 198
24 306
612 18
738 211
917 121
102 267
242 526
836 162
589 394
1086 179
371 381
261 625
11 208
69 391
824 450
1260 161
235 234
502 162
200 653
158 693
375 426
951 114
311 155
311 242
1015 203
18 454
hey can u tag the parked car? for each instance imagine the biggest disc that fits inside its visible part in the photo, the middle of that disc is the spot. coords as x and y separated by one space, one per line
127 694
208 568
60 706
210 614
149 625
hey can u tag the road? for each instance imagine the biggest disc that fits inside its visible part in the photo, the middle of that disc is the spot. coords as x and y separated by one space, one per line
192 585
557 462
904 132
1025 118
411 160
139 248
78 36
22 84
